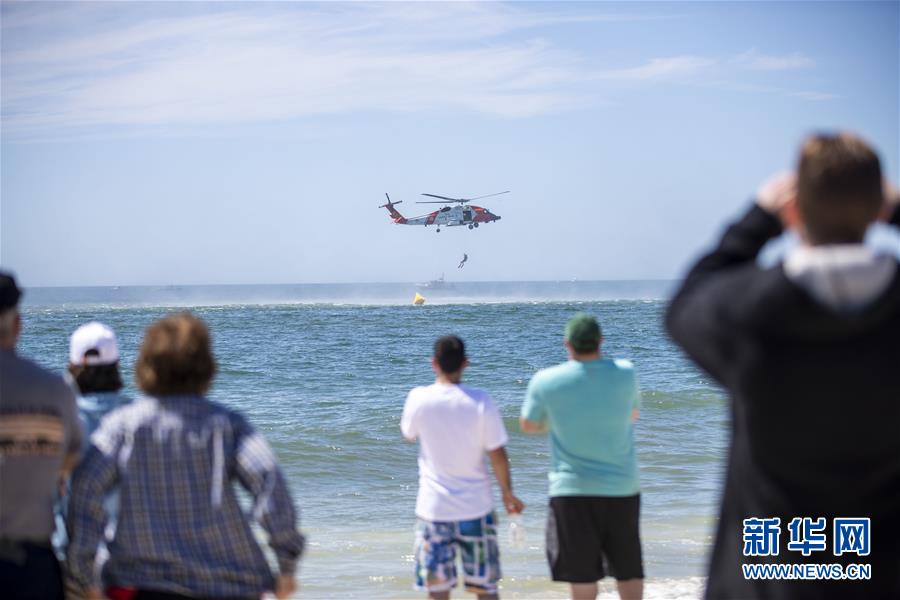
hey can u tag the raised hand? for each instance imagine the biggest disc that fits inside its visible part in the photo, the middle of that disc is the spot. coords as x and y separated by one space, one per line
777 192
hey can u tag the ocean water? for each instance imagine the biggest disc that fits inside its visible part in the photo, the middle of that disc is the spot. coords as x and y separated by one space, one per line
323 372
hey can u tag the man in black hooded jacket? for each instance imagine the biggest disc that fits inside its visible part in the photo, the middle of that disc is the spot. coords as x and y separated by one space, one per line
809 353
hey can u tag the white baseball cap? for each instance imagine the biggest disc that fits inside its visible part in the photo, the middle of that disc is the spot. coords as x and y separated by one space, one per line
93 336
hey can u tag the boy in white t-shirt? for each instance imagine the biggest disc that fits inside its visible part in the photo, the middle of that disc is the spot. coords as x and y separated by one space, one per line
456 425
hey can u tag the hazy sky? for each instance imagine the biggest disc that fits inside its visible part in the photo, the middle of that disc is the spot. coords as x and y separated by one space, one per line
178 143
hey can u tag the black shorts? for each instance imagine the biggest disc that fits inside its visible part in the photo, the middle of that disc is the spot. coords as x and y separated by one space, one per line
589 537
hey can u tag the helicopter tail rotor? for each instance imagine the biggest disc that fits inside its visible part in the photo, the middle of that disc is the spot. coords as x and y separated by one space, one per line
390 204
395 214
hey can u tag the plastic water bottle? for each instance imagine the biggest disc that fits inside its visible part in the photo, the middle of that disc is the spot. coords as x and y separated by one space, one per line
516 531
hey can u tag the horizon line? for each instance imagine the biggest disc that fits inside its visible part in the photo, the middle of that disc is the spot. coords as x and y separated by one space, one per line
319 283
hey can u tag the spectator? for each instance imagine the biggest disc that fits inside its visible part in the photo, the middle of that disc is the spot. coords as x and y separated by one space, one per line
40 441
456 425
94 368
589 405
174 456
807 351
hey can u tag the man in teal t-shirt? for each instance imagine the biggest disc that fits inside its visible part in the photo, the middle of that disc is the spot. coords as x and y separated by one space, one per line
589 405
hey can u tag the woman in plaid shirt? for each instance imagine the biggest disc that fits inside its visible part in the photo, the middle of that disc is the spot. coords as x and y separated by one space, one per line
174 455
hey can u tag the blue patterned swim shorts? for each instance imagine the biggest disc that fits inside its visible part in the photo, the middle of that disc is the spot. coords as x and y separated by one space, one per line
436 544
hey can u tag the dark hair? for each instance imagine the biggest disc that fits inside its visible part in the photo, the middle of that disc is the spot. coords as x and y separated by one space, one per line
450 353
839 188
96 378
175 357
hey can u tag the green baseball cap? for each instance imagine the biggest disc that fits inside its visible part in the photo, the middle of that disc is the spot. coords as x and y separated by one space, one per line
583 333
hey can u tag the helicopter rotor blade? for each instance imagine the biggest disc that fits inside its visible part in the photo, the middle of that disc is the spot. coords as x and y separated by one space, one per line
434 201
488 195
460 200
444 198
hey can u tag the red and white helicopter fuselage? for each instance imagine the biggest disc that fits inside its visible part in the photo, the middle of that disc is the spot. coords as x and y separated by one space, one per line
447 216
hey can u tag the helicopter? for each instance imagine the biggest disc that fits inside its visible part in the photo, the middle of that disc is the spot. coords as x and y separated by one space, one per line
457 212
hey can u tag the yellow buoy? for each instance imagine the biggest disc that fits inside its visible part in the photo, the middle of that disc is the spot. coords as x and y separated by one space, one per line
419 299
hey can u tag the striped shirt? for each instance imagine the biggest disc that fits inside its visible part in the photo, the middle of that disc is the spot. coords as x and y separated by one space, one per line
38 428
180 528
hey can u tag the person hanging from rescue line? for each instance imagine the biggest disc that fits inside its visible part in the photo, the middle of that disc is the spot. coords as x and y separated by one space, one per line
463 261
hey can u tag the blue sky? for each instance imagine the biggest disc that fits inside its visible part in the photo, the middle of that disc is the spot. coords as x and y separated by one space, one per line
179 143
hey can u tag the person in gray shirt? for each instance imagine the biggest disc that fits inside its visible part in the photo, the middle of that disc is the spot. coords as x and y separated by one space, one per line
40 442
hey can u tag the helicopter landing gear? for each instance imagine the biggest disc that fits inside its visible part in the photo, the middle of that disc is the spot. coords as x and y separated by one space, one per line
438 230
470 226
476 224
